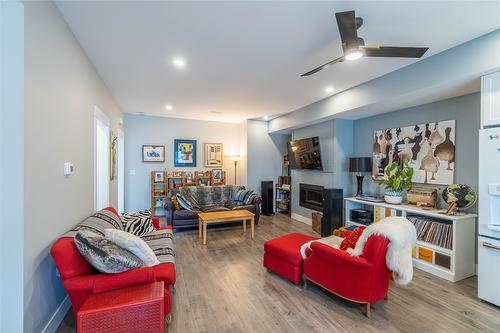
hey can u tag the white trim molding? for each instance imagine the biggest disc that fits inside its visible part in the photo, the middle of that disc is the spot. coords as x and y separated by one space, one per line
302 219
58 316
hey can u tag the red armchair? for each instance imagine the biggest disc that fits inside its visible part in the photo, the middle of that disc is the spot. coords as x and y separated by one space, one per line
363 279
80 279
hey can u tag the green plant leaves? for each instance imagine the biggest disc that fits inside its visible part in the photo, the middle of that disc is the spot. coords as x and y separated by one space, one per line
396 177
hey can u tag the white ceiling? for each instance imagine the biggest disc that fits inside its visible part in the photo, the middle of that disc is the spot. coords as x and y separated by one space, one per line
244 59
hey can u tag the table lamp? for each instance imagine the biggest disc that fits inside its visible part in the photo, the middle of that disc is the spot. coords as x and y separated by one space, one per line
235 159
360 165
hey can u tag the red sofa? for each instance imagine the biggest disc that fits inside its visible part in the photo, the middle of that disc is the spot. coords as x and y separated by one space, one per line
80 279
363 279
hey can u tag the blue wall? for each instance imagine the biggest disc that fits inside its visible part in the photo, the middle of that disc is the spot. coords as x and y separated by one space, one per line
466 110
264 154
336 142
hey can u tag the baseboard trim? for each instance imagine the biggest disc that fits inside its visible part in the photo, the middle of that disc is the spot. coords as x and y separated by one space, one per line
302 219
58 316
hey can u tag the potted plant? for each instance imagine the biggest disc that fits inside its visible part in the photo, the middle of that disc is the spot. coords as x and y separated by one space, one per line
397 178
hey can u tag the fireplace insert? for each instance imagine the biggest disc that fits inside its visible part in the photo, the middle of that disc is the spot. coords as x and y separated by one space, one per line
311 196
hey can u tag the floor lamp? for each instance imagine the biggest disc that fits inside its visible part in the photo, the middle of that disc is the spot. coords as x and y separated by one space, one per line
235 159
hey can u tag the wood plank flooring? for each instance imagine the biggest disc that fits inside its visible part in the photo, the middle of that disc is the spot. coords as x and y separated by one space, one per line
222 287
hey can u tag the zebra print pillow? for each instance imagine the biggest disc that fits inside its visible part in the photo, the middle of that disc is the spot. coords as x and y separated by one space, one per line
138 223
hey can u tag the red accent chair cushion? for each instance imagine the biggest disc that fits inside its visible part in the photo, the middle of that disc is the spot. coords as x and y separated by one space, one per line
351 239
282 255
363 279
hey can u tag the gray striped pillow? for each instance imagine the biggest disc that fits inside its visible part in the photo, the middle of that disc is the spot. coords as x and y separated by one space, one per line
183 202
138 223
244 196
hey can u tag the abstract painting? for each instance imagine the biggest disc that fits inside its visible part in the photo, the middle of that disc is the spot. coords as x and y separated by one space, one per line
429 149
213 155
184 153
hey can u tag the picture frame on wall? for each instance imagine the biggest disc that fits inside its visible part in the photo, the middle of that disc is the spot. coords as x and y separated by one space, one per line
214 155
217 175
184 153
159 177
429 149
153 153
112 157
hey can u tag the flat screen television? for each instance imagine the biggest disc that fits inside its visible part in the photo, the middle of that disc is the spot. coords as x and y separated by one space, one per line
305 154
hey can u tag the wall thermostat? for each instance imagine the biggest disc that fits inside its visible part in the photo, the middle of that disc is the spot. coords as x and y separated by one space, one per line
68 168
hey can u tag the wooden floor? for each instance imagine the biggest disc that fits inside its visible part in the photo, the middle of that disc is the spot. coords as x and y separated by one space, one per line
222 287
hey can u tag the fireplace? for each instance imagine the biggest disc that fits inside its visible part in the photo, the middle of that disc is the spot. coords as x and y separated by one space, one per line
311 196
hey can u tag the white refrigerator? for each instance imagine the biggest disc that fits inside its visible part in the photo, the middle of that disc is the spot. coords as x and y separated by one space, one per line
489 216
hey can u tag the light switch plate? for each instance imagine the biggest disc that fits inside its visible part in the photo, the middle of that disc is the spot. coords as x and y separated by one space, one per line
494 189
68 168
132 172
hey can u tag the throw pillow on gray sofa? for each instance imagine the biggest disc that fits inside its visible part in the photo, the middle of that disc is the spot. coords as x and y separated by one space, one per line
103 254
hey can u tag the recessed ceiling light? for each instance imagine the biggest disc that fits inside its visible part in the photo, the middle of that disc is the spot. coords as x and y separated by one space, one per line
169 107
354 54
179 62
329 89
265 118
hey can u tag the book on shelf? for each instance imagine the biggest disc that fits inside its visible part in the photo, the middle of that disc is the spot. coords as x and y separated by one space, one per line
433 231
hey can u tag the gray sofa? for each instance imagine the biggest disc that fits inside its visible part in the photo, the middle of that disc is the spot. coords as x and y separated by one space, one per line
206 199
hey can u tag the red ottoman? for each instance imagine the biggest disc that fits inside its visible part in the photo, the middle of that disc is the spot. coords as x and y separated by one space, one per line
137 309
282 255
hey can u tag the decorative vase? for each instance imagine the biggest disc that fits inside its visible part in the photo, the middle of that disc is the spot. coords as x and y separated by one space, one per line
393 197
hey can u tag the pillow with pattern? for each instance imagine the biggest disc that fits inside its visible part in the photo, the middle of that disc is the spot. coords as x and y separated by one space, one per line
134 244
351 239
244 197
103 254
138 223
183 202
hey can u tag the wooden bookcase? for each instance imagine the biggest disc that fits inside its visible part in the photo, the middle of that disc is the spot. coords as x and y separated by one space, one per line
454 263
159 193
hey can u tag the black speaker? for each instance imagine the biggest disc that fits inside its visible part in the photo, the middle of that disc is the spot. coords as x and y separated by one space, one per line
267 188
332 210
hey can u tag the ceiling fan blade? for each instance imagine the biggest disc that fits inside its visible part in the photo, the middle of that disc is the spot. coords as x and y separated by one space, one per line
346 22
395 52
328 64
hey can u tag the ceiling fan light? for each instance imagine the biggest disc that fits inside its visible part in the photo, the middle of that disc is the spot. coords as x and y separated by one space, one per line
354 54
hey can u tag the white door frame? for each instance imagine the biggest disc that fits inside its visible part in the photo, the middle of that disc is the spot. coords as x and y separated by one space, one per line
121 169
98 116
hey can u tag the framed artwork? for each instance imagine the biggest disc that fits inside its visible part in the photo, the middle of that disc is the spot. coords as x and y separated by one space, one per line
153 153
112 157
213 155
159 177
184 153
217 174
429 149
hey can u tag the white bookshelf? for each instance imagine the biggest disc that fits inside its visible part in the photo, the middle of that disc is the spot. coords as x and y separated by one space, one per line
452 264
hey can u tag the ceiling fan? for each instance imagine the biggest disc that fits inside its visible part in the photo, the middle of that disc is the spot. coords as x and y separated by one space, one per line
354 47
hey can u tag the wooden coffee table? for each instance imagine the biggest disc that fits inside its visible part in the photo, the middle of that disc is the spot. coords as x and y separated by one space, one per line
224 216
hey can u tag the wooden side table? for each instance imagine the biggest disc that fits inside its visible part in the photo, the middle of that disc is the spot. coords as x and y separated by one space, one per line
138 309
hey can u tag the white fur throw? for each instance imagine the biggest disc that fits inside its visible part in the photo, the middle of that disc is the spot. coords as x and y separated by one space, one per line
402 236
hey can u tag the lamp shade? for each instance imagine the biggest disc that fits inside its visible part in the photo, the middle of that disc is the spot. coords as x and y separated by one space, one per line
236 158
360 164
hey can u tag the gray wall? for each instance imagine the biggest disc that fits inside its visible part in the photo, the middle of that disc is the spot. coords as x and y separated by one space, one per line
61 88
265 154
466 110
12 166
140 130
336 144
